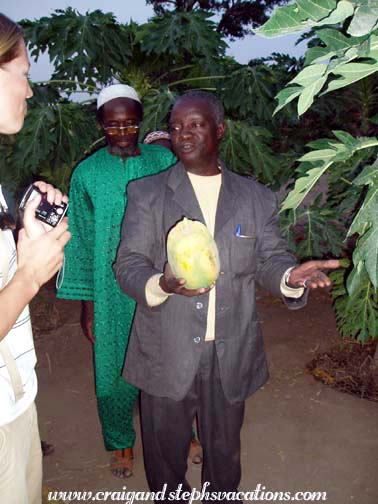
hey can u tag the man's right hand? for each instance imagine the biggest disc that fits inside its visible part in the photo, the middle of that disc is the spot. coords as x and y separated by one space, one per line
86 320
172 285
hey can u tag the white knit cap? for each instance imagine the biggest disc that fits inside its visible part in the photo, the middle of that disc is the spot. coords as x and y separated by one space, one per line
116 91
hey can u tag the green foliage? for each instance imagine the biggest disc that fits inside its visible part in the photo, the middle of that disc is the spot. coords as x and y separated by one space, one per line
252 92
305 14
83 48
345 55
157 103
341 60
54 138
182 35
356 314
321 159
245 147
365 224
314 231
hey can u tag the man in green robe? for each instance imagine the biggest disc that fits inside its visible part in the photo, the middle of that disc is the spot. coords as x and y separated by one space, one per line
97 206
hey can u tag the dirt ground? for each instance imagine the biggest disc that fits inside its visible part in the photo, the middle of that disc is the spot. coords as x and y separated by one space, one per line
298 435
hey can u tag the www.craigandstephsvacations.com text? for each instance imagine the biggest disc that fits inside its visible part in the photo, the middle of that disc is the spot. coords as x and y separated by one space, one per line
260 493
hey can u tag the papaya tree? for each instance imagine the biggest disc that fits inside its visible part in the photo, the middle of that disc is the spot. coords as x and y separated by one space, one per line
170 54
344 56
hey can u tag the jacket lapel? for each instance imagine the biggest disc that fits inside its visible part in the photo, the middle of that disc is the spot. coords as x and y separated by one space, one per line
226 201
183 194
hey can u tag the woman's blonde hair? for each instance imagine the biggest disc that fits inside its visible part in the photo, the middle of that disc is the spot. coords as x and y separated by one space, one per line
10 38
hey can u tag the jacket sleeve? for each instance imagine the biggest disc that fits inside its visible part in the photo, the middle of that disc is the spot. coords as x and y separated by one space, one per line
274 258
134 265
77 281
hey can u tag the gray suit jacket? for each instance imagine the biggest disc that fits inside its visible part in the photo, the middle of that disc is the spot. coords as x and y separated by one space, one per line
166 341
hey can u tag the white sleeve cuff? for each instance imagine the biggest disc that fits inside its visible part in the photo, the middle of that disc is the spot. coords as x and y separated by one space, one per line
290 292
154 293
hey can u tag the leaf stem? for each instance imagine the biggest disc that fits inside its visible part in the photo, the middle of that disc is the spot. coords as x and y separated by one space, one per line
66 81
191 79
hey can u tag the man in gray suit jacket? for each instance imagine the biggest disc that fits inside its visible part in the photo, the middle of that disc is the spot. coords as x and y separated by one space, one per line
201 351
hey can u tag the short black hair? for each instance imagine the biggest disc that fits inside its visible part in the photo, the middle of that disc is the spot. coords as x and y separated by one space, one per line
213 101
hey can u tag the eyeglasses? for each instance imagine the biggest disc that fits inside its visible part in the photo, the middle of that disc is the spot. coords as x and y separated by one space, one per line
131 129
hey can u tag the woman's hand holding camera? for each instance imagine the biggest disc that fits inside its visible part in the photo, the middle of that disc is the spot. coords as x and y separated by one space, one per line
40 247
33 226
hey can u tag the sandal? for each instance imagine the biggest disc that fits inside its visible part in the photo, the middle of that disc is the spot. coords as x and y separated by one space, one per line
121 463
195 452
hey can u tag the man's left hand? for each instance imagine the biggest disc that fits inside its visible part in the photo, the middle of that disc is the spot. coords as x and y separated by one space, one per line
310 274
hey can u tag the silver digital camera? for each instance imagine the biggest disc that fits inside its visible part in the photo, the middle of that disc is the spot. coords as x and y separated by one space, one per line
45 212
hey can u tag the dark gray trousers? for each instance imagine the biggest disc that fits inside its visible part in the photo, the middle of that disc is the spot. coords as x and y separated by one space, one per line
166 430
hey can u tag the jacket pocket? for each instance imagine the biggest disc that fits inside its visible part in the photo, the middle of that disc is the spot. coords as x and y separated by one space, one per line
243 254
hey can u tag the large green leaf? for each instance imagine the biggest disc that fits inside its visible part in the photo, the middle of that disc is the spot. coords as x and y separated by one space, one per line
88 48
343 11
367 214
313 230
368 176
364 20
316 10
72 122
337 41
311 79
252 92
157 104
35 141
367 252
181 33
305 14
322 155
318 54
321 160
306 98
246 149
303 186
345 138
356 314
350 73
54 138
284 20
286 95
309 75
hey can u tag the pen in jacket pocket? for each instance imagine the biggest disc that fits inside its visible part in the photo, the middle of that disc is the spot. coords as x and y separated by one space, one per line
239 233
